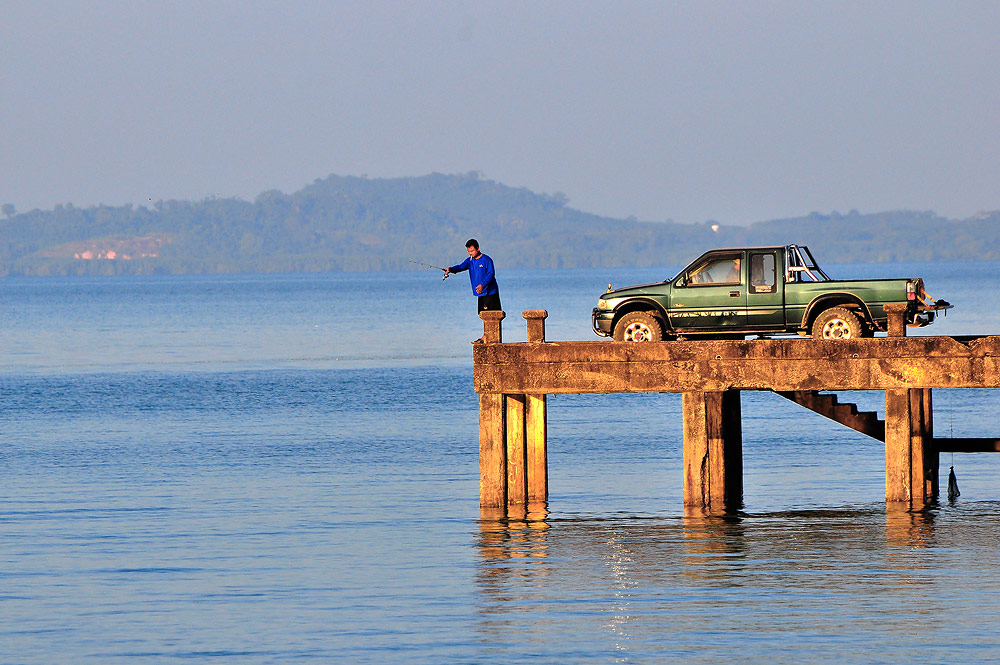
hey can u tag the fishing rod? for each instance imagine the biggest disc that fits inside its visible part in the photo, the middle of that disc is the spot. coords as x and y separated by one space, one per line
427 265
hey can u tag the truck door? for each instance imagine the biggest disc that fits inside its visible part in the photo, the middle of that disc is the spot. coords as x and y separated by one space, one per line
710 294
765 293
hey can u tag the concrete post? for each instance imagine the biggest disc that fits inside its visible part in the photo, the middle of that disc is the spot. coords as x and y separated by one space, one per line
536 420
491 325
713 451
517 454
492 452
536 426
897 324
536 324
910 461
931 453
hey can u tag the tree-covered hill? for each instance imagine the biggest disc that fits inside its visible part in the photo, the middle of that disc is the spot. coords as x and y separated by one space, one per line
350 223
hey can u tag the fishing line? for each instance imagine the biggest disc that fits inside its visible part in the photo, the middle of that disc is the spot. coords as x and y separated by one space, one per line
951 427
951 422
427 265
953 492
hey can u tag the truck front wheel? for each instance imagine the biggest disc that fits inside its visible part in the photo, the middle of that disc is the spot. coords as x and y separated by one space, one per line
638 327
837 323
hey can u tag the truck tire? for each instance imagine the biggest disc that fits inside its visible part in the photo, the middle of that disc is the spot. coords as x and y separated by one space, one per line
638 327
837 323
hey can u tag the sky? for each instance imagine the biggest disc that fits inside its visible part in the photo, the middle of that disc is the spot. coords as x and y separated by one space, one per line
726 111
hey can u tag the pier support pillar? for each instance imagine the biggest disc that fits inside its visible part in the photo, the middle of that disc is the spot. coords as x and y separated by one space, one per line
536 420
911 460
536 427
932 456
517 452
513 460
713 451
492 451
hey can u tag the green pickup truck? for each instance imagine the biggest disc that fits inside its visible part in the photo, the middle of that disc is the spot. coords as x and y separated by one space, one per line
732 293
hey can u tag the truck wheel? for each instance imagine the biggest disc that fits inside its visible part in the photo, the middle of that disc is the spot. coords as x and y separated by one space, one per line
638 327
837 323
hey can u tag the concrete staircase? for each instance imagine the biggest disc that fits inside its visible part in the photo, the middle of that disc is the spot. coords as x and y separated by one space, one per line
825 404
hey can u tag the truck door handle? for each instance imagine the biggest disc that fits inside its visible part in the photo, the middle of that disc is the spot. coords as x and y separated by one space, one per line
734 294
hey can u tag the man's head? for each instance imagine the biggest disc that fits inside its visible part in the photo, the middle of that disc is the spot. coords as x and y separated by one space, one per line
473 246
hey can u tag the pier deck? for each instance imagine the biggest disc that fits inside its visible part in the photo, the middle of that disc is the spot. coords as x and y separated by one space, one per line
512 380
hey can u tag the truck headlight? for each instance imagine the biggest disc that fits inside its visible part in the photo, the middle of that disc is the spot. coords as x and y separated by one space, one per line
602 304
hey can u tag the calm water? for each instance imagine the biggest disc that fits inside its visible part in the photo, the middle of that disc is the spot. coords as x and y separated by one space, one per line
258 470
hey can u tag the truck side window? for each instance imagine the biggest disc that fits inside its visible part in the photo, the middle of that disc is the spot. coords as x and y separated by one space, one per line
762 276
717 270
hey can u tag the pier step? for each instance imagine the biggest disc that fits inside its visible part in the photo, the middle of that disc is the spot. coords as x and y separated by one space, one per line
825 404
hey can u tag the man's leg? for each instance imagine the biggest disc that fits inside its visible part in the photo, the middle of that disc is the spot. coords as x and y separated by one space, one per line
490 302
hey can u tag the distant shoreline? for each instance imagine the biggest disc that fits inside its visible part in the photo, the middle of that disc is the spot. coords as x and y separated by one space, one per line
348 224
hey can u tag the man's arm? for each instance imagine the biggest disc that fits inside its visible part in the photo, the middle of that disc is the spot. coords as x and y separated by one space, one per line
461 267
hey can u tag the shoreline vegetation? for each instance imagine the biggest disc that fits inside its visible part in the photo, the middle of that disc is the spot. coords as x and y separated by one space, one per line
346 223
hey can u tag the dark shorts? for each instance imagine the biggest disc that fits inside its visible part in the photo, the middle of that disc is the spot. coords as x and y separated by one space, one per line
491 302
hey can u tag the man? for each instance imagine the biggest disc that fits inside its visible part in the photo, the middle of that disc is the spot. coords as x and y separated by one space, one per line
733 277
482 276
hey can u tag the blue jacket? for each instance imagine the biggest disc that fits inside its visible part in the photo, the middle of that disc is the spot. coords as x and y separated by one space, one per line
480 272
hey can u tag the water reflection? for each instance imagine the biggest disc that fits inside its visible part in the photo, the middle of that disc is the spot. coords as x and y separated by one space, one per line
909 528
518 533
712 543
642 581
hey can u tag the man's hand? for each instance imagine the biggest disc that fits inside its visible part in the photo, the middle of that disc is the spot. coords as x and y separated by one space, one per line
447 271
479 288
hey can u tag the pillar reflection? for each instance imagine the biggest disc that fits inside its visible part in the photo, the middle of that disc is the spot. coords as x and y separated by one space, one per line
711 543
514 532
908 528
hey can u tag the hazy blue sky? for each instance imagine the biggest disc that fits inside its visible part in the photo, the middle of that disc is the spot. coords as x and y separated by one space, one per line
692 111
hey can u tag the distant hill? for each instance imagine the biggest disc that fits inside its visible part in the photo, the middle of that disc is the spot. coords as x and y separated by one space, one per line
356 224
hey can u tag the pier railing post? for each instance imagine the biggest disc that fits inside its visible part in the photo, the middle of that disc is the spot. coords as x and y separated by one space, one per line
536 324
713 451
897 322
491 325
911 462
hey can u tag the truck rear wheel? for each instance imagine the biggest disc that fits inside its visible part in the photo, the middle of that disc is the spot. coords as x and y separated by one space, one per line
638 327
837 323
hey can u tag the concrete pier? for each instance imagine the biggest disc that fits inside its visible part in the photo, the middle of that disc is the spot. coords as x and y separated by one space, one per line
513 458
513 379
